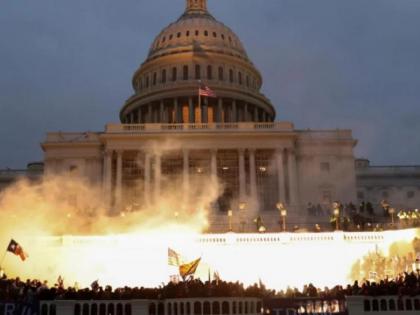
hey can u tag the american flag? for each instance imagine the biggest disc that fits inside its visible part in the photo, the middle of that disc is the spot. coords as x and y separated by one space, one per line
204 90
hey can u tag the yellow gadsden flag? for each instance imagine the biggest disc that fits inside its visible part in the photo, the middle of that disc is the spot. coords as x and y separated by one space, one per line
189 269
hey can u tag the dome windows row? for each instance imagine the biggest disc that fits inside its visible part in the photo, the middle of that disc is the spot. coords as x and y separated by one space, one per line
165 39
198 72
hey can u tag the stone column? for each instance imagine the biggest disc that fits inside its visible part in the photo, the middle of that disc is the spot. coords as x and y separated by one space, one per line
147 178
191 109
246 112
291 162
107 183
264 118
177 119
213 164
252 174
185 173
149 114
241 175
118 188
220 110
157 178
234 112
280 176
139 116
161 115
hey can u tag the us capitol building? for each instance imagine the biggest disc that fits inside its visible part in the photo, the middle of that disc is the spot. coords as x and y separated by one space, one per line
167 135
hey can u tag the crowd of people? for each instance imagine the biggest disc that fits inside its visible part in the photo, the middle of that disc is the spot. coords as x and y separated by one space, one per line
349 217
29 291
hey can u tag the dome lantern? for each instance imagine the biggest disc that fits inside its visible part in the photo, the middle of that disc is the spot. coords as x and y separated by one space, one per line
196 5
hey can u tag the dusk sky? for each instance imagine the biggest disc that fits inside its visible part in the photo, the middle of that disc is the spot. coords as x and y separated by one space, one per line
326 64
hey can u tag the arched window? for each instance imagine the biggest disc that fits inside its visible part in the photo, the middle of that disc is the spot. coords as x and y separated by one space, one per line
384 306
197 32
181 308
221 76
94 309
392 305
163 39
366 305
230 75
171 36
197 72
206 33
209 72
85 309
240 308
152 309
206 308
214 34
223 36
44 309
246 307
178 35
174 74
127 309
259 307
187 33
408 305
400 305
417 304
175 308
102 309
111 309
161 309
53 309
197 308
240 78
225 308
119 309
234 307
77 309
163 76
185 73
216 308
169 308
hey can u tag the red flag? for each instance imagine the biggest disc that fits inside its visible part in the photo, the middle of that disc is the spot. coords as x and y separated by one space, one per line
16 249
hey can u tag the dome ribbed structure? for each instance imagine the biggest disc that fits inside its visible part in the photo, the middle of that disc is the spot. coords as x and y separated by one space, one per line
196 47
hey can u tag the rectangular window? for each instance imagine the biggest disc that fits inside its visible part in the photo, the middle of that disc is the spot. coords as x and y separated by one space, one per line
163 76
197 72
174 74
185 73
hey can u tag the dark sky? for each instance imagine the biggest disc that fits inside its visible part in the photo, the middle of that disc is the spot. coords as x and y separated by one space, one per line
67 65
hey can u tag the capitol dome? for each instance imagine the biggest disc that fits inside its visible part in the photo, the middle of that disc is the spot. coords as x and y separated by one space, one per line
192 51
